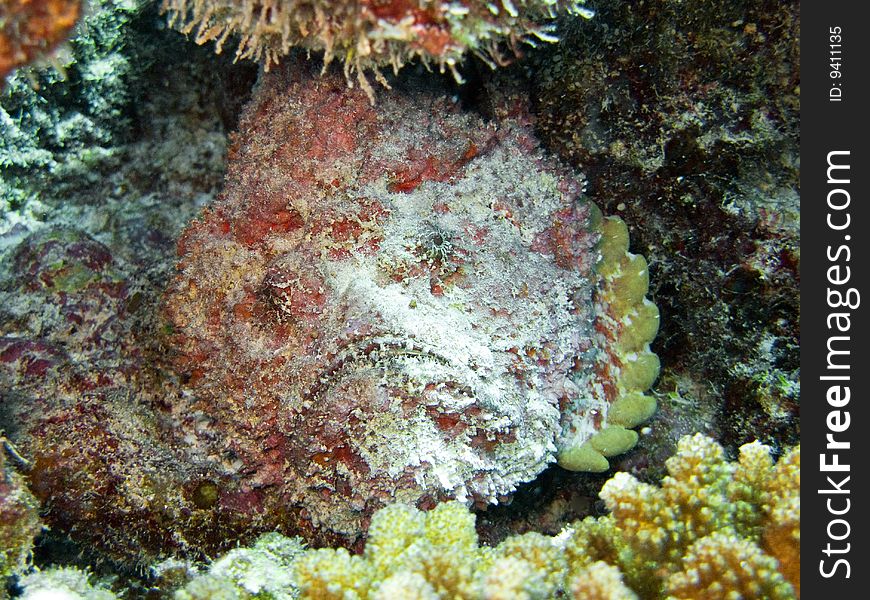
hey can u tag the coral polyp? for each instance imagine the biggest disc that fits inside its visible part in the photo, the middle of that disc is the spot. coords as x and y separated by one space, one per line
368 34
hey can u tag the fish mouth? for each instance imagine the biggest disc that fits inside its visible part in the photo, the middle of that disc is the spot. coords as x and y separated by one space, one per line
396 406
397 361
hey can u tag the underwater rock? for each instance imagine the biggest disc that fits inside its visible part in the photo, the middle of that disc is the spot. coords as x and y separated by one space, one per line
79 397
402 303
685 119
19 516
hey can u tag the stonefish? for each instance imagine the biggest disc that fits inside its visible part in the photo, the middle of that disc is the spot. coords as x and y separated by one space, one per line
403 302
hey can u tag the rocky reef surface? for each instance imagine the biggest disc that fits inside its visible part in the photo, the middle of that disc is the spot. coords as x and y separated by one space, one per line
684 116
157 415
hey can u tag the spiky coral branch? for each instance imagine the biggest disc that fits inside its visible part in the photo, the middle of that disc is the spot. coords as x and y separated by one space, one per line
369 34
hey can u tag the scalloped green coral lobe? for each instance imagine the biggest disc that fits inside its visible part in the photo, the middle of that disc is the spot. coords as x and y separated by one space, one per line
629 322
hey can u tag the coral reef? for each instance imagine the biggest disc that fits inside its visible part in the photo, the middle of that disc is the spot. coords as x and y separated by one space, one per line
79 308
19 517
128 112
392 304
708 511
30 29
685 119
69 364
368 34
153 425
701 536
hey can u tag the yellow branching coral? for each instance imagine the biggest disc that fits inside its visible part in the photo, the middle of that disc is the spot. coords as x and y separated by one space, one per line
512 578
368 34
451 554
405 545
705 496
392 534
723 566
714 530
540 556
600 581
777 496
407 585
329 574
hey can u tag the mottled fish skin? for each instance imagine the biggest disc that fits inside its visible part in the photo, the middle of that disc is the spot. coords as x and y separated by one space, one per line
400 293
394 303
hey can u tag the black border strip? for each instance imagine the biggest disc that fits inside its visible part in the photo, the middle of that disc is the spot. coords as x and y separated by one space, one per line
835 259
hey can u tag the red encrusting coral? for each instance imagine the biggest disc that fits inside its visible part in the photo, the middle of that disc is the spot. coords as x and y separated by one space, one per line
32 28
